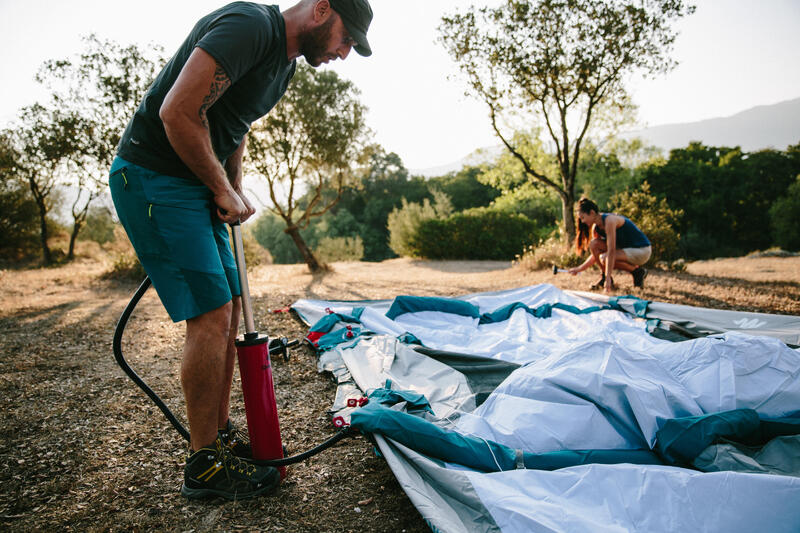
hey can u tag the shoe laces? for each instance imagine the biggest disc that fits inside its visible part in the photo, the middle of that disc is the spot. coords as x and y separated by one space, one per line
232 462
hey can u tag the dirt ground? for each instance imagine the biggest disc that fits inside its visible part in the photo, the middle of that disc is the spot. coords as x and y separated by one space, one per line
81 448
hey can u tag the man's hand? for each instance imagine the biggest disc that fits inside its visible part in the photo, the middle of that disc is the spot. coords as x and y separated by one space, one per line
250 210
230 208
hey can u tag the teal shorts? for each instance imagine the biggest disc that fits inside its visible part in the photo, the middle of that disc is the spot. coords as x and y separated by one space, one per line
182 245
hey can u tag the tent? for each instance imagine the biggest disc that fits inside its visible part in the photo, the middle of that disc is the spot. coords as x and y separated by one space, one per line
536 409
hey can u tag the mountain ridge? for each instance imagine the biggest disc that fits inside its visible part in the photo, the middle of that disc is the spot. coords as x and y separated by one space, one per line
759 127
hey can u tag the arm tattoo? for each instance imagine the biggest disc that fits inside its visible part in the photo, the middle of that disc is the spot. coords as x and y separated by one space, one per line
218 86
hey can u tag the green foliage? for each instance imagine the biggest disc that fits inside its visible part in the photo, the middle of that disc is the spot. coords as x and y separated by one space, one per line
475 234
380 190
464 188
601 175
653 216
725 195
554 250
784 215
19 221
99 226
331 249
404 223
19 216
269 233
126 267
541 206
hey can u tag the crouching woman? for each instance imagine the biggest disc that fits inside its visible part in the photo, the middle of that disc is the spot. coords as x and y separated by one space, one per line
616 243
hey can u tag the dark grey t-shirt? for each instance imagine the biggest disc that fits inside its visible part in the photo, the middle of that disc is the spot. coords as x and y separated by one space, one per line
247 40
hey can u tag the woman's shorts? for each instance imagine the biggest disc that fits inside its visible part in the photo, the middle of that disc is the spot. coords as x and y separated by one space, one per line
638 256
182 245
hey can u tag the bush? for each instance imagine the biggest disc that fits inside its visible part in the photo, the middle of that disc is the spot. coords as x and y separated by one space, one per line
99 226
254 253
783 218
554 250
653 217
19 222
331 249
474 234
403 223
126 267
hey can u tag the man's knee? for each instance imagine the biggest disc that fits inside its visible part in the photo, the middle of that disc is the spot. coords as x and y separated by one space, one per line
215 321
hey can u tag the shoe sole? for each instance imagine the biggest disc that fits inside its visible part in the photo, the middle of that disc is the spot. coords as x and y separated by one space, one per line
641 282
270 483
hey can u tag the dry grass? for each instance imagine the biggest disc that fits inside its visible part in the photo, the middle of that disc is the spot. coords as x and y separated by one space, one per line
82 449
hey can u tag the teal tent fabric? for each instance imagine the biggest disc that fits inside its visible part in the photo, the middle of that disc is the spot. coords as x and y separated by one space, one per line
415 304
543 311
681 440
480 454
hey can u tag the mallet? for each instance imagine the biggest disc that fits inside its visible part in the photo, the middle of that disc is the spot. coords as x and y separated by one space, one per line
556 270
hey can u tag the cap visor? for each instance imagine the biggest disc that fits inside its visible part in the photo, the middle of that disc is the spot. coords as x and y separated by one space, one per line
362 45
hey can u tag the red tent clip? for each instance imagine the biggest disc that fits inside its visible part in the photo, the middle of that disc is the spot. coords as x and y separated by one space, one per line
352 402
328 310
338 422
363 401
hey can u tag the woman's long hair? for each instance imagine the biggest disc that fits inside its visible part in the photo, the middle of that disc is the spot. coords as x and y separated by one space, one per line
583 238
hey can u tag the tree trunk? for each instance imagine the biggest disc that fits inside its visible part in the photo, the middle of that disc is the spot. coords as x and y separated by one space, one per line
305 251
568 215
76 228
47 257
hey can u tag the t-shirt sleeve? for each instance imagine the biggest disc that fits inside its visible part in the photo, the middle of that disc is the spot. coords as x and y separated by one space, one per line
237 41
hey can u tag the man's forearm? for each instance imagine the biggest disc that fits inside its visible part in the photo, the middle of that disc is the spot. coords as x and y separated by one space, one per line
233 167
191 141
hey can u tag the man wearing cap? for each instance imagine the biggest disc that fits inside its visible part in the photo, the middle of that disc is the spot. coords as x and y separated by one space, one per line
177 180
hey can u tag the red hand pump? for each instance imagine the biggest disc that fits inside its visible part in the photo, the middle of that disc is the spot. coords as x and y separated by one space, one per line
255 370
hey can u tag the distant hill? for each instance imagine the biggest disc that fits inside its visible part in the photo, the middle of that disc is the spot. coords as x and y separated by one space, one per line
767 126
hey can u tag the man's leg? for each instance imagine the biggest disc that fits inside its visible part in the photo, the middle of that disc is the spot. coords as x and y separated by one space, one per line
230 359
203 372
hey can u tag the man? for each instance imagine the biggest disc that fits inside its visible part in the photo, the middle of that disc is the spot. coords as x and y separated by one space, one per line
177 179
618 244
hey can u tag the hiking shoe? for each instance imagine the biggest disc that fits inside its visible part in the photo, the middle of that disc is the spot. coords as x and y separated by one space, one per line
638 276
215 471
600 283
237 441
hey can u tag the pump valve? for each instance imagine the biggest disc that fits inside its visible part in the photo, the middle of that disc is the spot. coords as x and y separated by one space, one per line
281 345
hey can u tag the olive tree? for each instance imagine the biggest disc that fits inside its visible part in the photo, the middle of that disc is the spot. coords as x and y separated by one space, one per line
562 66
98 90
308 149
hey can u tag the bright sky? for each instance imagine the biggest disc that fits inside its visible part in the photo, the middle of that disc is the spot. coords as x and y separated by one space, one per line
734 54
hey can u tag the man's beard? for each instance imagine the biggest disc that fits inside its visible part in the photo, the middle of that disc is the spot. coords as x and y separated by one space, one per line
314 43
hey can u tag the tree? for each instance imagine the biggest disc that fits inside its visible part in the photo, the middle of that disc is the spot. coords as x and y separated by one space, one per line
45 140
783 215
99 92
725 194
18 211
308 144
381 188
561 64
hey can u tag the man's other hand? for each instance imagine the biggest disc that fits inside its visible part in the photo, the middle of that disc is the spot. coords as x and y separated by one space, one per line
230 208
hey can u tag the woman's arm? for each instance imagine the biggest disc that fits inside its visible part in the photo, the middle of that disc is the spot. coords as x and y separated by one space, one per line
583 266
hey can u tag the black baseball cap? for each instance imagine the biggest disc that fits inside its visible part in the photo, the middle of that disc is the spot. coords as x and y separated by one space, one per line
356 16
